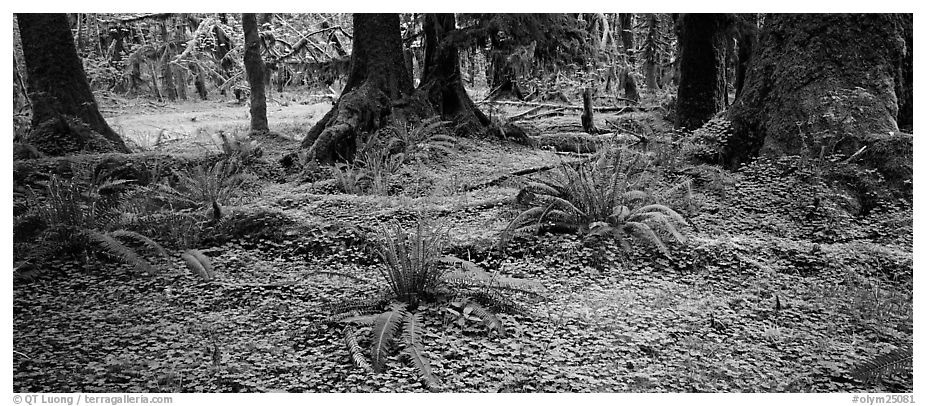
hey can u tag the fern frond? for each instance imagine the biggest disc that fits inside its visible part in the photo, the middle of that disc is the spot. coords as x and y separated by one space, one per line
663 222
643 232
384 329
542 188
634 195
495 300
356 354
491 321
366 305
116 249
660 208
364 320
147 242
199 263
900 359
415 355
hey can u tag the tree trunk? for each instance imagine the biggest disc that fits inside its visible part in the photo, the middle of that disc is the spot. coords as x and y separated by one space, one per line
650 53
57 83
904 87
255 70
700 87
824 83
167 76
181 74
376 81
441 82
629 84
748 33
502 78
588 113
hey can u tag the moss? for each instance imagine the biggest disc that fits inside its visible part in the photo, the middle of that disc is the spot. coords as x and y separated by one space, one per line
818 81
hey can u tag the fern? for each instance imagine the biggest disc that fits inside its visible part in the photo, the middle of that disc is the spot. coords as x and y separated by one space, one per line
118 250
356 354
76 220
900 359
491 321
199 263
145 241
413 352
358 306
600 198
384 329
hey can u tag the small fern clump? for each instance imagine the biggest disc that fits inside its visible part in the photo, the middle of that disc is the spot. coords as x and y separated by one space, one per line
898 360
71 220
203 186
416 142
415 272
602 198
387 330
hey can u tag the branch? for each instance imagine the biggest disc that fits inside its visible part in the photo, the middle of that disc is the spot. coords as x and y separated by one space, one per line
191 45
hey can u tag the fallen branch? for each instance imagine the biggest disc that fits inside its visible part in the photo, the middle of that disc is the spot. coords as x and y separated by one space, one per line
529 111
545 114
569 107
523 172
191 45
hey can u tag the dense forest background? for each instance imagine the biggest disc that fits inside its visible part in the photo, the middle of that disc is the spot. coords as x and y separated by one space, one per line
217 202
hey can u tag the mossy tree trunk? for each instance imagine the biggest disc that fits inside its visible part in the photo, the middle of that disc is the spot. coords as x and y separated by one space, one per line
701 83
502 78
904 87
747 35
167 75
824 83
650 52
629 83
377 80
441 82
57 82
254 65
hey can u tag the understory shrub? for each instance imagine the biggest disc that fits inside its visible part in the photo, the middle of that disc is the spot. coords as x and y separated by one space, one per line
415 272
82 222
603 198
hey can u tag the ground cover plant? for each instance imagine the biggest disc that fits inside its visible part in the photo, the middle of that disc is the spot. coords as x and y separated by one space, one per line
507 212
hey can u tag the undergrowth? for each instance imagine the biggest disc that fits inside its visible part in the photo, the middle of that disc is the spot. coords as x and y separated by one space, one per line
415 272
604 198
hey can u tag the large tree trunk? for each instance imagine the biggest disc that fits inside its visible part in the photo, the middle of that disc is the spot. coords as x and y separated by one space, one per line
377 80
441 82
701 83
824 83
167 75
748 34
502 78
629 83
650 51
180 75
254 66
57 83
904 87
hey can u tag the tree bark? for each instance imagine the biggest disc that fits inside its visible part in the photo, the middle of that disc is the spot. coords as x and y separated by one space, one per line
57 82
181 75
441 81
377 80
824 83
904 87
629 84
748 34
167 75
650 51
700 87
254 66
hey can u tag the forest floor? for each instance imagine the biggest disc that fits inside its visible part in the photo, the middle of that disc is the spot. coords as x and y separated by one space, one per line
764 297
